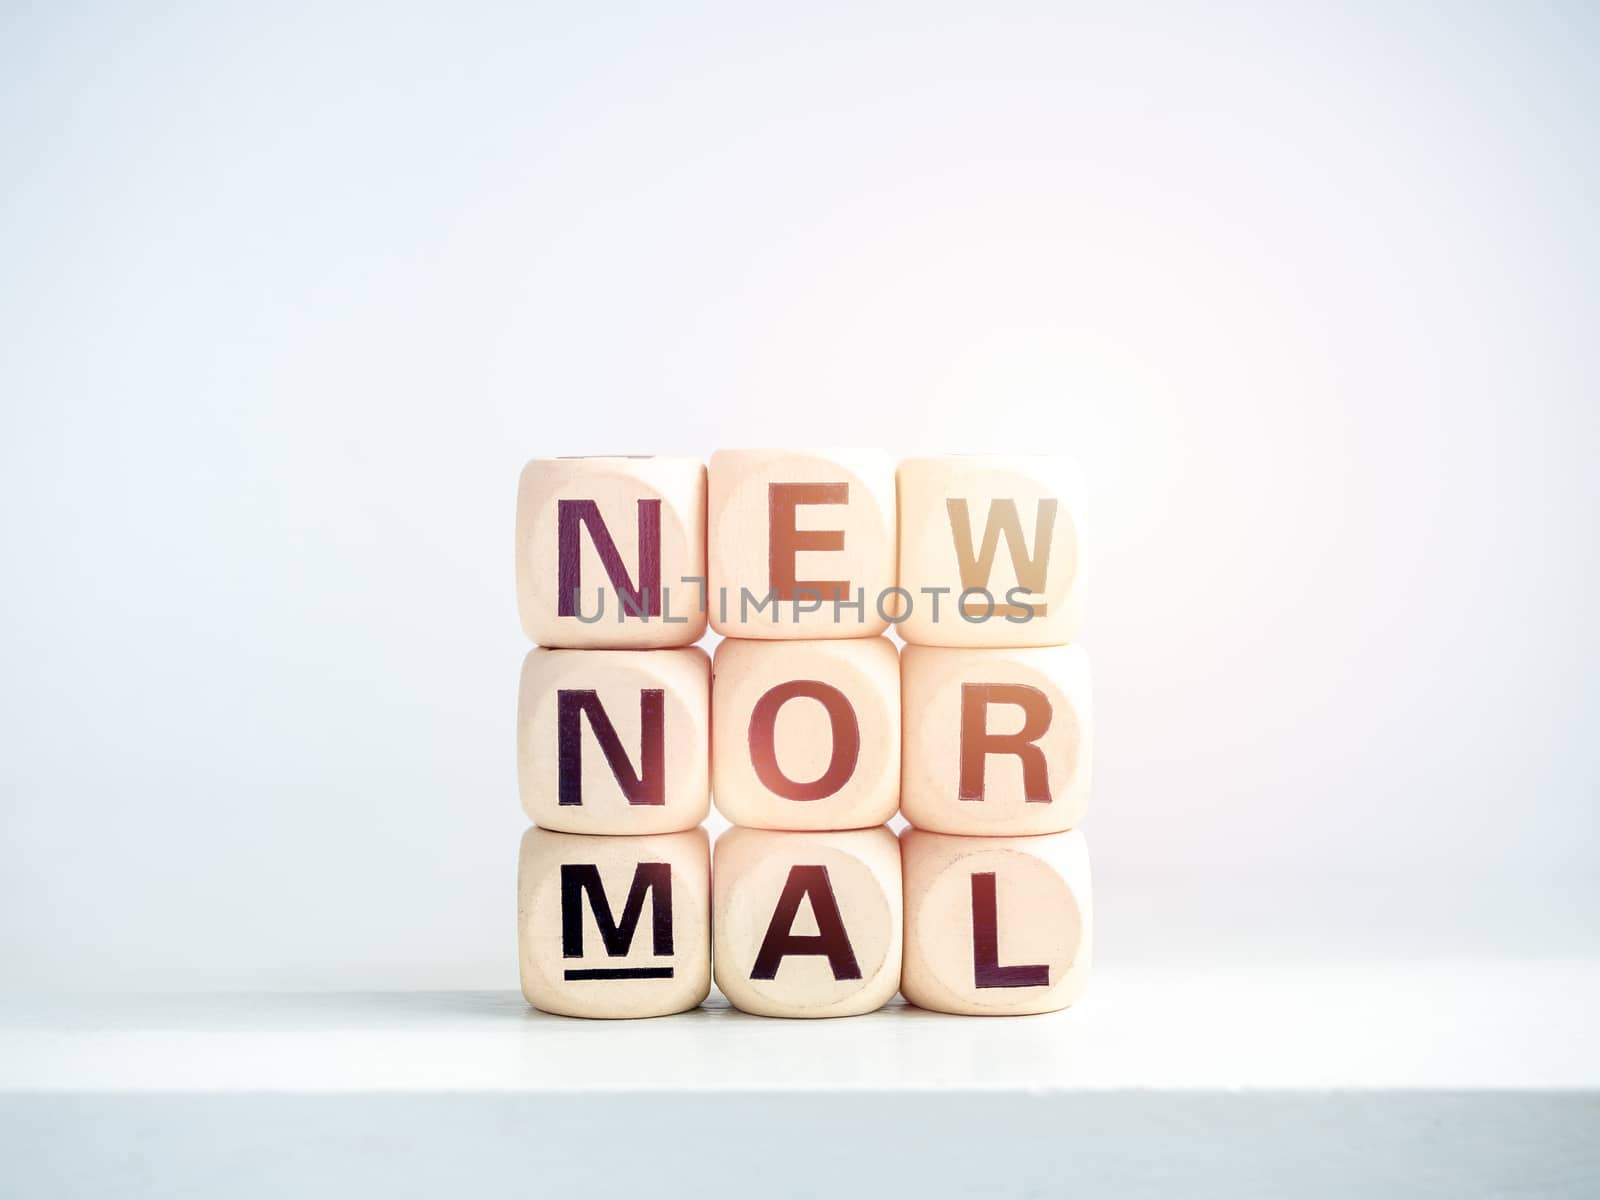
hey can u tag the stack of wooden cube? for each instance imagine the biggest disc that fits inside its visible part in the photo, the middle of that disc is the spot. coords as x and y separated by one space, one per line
807 728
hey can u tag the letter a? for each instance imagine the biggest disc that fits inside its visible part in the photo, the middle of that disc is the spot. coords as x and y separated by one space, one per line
830 940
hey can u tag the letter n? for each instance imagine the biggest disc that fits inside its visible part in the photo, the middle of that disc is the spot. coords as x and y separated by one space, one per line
642 600
649 786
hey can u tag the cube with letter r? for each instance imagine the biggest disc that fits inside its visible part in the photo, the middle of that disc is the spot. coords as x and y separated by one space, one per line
997 740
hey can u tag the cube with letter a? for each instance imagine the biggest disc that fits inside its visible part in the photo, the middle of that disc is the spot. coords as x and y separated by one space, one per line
991 551
995 926
801 543
611 552
614 926
807 924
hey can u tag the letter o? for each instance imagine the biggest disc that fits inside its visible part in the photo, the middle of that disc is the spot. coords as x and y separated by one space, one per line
961 605
763 740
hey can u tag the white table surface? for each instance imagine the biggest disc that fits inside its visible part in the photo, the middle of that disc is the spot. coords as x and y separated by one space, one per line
1445 1079
1439 1026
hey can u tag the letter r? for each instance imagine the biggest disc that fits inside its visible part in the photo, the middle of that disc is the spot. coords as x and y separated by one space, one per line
977 743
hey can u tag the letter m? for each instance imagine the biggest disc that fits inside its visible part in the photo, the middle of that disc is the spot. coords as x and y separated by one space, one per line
643 600
582 880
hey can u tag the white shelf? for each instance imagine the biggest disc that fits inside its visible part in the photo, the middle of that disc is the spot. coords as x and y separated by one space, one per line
1508 1026
1198 1080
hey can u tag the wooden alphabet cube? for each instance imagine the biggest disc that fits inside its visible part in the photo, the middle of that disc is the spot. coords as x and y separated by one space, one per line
615 741
806 735
995 926
614 926
611 552
997 742
807 924
802 543
991 551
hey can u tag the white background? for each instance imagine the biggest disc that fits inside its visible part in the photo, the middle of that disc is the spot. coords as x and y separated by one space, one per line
288 296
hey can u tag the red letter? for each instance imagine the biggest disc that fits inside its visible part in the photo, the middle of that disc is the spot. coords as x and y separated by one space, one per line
784 540
763 746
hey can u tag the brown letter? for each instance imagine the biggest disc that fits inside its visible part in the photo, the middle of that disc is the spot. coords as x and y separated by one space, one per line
976 568
977 743
763 740
830 940
784 540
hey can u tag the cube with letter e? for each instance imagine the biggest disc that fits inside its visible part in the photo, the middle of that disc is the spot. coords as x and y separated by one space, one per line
802 543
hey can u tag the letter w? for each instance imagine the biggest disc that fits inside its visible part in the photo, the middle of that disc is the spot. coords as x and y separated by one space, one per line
976 567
